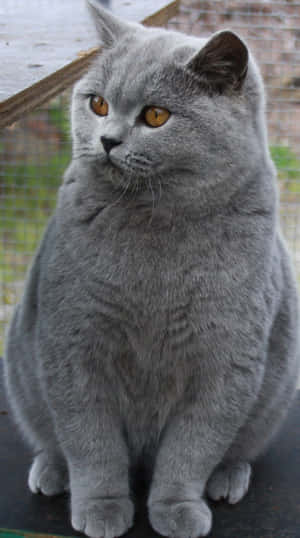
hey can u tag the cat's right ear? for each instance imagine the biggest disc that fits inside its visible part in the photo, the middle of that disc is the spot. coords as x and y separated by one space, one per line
109 27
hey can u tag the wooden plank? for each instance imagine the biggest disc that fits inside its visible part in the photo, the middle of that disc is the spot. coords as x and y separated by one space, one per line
161 17
9 533
46 46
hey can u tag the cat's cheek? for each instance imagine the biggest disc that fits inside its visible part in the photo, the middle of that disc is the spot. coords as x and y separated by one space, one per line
116 161
95 125
96 146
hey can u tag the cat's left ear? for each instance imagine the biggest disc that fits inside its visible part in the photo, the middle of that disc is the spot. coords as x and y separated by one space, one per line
222 63
110 28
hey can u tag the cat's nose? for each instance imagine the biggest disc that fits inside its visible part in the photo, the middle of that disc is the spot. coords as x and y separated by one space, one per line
109 143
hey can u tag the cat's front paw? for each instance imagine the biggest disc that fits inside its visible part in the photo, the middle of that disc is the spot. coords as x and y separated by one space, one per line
180 519
48 475
230 482
103 518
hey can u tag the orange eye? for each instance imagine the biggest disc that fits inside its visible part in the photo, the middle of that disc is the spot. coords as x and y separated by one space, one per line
99 105
155 117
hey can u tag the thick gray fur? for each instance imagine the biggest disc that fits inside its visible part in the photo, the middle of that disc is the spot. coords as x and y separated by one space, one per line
160 316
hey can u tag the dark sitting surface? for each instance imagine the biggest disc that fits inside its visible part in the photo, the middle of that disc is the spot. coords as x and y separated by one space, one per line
271 509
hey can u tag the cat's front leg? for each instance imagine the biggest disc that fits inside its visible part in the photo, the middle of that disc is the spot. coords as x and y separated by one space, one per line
193 444
100 502
98 465
176 510
175 503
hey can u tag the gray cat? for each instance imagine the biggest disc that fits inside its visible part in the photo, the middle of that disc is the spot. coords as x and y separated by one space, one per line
159 321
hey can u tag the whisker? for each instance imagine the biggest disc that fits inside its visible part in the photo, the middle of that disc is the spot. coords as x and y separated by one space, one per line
122 195
81 155
160 190
153 200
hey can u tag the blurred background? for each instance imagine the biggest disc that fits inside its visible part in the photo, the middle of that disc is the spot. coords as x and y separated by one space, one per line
35 151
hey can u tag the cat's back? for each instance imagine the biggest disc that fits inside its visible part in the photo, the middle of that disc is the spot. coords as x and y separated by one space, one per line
27 310
21 362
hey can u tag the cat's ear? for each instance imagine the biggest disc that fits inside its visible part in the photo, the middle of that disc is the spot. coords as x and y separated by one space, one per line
222 63
110 28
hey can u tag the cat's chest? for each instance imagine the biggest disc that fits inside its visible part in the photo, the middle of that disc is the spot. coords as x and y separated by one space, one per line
130 263
142 284
161 279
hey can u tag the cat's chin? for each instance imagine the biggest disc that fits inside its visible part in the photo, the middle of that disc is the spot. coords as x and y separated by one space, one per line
106 167
117 175
123 177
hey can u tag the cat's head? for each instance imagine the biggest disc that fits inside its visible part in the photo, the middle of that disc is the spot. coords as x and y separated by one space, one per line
159 109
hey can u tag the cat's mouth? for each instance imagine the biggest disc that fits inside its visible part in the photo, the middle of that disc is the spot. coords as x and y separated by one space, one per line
133 165
132 174
121 176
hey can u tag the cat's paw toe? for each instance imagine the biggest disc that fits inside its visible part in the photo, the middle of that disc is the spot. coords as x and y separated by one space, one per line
181 519
103 518
230 482
48 475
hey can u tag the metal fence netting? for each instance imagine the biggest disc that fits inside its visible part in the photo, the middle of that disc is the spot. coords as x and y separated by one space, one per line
35 151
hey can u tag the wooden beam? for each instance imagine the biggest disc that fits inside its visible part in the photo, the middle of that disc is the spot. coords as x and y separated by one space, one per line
22 95
161 17
27 100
